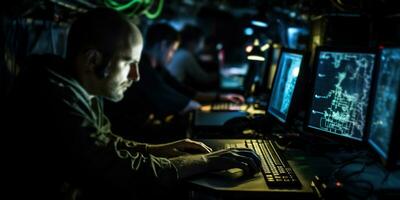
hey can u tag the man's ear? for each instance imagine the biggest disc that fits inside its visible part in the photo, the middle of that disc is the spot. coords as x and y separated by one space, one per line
93 58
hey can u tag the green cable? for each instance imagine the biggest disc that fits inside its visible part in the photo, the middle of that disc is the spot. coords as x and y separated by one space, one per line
112 3
138 10
157 12
147 5
137 4
119 6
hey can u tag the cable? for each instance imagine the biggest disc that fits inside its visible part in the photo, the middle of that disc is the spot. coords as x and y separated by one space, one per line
137 7
147 5
349 162
157 12
70 6
345 161
120 6
369 189
86 3
387 174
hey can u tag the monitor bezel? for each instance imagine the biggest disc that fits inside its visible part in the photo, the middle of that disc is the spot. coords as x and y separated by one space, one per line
311 86
295 96
267 70
249 79
393 157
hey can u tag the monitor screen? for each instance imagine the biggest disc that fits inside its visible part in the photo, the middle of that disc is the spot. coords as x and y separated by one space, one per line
385 102
284 84
341 92
296 37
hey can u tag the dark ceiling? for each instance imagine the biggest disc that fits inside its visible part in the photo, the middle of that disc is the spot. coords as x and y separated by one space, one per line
67 8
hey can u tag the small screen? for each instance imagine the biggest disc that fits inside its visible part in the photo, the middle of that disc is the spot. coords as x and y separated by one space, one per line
341 93
386 100
284 84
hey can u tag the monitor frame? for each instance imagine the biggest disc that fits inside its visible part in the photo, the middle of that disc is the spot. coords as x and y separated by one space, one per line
256 68
267 70
249 79
393 156
292 110
311 86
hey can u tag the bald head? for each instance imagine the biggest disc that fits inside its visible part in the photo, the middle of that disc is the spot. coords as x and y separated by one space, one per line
102 29
103 53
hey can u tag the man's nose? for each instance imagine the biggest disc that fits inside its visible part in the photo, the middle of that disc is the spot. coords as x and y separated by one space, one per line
134 74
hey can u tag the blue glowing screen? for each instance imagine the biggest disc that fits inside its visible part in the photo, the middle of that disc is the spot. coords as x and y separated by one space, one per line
284 84
341 93
386 100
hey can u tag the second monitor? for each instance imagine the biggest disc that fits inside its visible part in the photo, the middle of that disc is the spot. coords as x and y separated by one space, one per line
383 126
341 91
285 84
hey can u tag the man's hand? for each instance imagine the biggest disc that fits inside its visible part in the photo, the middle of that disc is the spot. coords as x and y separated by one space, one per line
243 158
178 148
235 98
192 105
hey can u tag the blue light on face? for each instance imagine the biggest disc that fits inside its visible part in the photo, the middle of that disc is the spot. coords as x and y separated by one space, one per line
248 31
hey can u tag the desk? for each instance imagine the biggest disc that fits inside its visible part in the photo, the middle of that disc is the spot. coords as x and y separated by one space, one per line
356 184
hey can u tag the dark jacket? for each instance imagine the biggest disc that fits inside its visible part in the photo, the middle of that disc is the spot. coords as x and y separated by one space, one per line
60 139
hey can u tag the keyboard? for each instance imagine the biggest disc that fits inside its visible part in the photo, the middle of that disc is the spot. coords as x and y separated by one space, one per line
227 106
274 167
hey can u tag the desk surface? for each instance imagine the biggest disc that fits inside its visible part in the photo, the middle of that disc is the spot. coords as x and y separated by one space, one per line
360 177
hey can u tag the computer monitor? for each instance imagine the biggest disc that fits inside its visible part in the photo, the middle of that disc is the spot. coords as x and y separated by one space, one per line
296 37
285 84
340 92
253 80
384 121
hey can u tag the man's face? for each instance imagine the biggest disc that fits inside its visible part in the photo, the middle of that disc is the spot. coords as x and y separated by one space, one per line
124 70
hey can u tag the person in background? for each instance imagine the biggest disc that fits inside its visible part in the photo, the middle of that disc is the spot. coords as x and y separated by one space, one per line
62 145
162 41
184 65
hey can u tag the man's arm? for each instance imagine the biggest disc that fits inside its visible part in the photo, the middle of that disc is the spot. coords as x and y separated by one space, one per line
192 105
189 164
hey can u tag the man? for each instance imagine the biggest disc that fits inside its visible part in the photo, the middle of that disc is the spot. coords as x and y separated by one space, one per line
61 144
147 103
